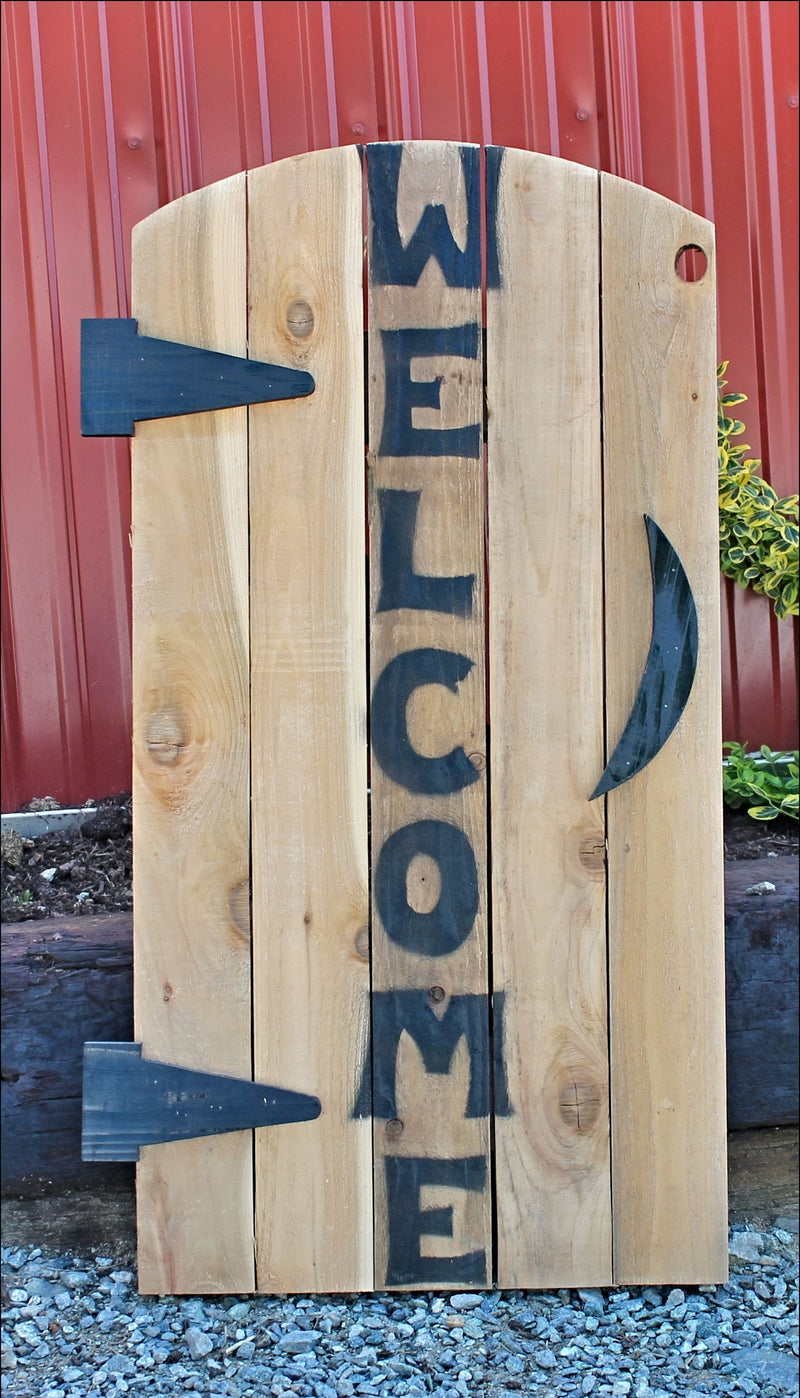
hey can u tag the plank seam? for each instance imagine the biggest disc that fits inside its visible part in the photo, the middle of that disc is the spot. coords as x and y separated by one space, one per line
604 682
368 545
495 1224
250 734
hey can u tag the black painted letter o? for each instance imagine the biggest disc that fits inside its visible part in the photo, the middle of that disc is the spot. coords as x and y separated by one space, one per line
446 926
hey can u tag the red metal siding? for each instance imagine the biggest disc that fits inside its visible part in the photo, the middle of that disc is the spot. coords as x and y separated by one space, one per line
111 110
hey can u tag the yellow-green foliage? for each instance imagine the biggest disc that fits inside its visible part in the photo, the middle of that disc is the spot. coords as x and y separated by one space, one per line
758 533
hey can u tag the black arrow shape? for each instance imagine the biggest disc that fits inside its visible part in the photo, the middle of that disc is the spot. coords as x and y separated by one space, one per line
126 378
129 1102
670 669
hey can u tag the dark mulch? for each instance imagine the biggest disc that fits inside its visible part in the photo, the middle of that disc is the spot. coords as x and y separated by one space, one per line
74 873
746 838
79 873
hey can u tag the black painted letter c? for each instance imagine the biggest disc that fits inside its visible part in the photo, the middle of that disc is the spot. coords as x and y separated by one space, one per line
426 776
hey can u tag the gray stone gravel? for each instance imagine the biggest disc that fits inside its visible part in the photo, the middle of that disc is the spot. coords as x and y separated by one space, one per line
75 1327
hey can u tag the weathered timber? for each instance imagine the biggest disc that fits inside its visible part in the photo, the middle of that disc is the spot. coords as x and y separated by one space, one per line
64 980
98 1220
761 973
762 1176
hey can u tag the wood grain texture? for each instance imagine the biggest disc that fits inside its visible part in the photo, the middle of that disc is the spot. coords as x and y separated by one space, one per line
309 769
448 542
191 748
546 706
665 826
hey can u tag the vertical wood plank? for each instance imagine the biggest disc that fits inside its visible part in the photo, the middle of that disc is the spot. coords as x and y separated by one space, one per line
431 1134
666 946
309 761
191 749
546 707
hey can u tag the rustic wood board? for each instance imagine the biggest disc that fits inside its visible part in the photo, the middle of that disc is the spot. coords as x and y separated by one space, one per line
433 1190
546 704
191 745
308 706
666 951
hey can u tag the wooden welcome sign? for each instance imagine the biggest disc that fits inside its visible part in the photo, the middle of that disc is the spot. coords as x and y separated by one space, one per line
416 845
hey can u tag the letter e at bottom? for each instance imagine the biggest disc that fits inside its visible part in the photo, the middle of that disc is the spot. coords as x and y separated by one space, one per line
408 1223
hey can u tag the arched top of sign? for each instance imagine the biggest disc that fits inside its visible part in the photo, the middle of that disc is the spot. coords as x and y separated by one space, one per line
451 1044
128 377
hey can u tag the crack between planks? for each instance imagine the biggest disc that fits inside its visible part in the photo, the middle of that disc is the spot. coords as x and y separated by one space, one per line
604 667
495 1228
253 1159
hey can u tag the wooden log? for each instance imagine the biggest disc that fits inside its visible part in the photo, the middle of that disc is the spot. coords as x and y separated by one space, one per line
762 1176
65 980
761 970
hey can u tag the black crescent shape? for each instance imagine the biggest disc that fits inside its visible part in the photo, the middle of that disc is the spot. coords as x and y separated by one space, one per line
670 669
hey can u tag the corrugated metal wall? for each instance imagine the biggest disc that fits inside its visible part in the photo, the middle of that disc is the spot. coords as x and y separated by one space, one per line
110 110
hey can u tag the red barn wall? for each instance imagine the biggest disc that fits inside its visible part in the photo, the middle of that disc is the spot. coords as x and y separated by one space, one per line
112 109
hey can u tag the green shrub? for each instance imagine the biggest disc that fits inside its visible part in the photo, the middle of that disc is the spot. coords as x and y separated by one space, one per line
758 532
767 779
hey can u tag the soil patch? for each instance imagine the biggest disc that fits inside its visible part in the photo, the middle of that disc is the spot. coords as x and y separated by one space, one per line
79 873
72 873
746 838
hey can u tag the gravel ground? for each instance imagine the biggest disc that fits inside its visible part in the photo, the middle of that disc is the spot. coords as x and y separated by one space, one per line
74 1327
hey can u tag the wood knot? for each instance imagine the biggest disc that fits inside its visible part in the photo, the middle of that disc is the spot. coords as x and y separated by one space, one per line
592 854
239 907
394 1127
361 943
579 1103
300 320
166 737
478 760
436 994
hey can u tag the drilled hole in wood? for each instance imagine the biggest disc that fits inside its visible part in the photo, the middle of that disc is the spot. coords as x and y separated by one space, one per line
691 263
